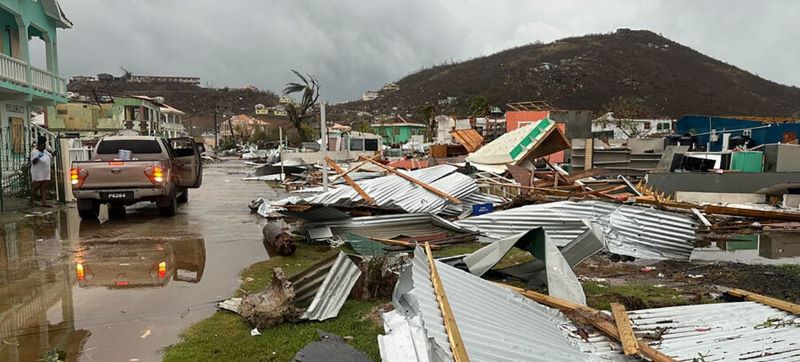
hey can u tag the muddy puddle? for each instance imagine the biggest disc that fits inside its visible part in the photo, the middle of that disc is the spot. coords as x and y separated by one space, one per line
769 248
123 290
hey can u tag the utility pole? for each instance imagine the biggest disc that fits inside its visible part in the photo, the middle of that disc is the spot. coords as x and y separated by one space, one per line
216 129
324 131
280 149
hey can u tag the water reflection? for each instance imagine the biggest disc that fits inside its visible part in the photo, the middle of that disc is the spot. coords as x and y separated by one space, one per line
139 262
43 257
765 248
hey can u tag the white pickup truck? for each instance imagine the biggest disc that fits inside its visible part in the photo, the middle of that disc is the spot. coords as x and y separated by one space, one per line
128 169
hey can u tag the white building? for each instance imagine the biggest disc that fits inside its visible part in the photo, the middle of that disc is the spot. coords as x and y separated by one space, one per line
370 95
619 128
447 124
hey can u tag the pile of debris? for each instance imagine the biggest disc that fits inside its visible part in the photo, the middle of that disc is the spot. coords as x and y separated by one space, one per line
508 198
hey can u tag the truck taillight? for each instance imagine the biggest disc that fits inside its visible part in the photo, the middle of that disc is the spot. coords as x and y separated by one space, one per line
79 271
77 176
162 269
155 174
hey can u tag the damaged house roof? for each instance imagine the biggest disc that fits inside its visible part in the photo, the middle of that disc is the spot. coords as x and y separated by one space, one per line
636 231
525 143
395 193
721 332
500 325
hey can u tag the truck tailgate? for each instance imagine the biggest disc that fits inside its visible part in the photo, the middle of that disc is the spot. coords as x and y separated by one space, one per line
115 174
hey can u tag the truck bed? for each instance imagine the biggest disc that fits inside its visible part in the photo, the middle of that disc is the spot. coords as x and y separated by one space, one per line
110 175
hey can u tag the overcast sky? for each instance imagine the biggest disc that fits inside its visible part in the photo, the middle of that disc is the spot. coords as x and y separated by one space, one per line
358 45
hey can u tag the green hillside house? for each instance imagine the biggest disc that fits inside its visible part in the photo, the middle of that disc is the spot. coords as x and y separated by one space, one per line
29 78
398 130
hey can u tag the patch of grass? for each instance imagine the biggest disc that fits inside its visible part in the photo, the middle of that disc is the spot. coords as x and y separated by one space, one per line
226 336
633 296
303 257
792 268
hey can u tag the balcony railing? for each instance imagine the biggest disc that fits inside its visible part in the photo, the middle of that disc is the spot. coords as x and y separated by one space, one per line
16 71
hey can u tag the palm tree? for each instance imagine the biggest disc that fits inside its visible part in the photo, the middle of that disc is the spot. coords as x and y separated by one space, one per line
299 112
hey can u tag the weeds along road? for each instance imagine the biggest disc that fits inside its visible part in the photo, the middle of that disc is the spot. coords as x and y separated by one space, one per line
121 290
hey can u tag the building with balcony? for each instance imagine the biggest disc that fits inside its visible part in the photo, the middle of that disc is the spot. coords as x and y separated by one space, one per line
29 81
141 114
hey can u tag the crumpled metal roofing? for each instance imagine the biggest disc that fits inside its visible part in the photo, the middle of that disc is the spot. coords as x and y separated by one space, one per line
721 332
333 291
394 192
496 324
392 225
627 230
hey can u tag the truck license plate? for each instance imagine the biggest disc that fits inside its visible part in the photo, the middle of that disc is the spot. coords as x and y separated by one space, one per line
118 195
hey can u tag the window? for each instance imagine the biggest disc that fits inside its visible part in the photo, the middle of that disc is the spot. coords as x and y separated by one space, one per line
370 144
647 125
663 126
112 147
356 144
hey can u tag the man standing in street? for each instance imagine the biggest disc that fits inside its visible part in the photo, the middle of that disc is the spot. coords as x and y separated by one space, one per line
41 160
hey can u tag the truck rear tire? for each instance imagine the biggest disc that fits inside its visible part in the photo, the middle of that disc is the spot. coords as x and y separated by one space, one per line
172 205
183 197
88 209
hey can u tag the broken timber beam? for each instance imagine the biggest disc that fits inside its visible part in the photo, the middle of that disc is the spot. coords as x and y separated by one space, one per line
453 334
407 244
630 345
357 167
763 214
350 181
594 317
763 299
425 186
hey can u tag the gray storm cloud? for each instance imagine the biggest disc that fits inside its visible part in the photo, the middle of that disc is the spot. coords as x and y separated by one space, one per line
355 45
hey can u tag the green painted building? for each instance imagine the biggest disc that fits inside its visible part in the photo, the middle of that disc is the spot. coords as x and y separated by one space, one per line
29 81
398 130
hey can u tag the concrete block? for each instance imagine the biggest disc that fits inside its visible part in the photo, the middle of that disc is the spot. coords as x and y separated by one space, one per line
791 201
719 198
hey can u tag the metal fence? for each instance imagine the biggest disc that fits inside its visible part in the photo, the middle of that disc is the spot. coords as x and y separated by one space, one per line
16 142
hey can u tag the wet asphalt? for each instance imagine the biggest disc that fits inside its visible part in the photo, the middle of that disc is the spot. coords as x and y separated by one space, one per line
122 290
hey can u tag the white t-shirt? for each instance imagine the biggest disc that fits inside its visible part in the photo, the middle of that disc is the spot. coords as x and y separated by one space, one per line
41 170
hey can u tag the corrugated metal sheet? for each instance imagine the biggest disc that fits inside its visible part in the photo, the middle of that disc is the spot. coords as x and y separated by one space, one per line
392 225
394 192
499 325
721 332
334 290
628 230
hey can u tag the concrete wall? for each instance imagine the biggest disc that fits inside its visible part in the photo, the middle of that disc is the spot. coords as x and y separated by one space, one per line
714 182
719 197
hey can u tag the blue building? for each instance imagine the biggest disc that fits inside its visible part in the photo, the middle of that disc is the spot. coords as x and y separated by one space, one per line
714 128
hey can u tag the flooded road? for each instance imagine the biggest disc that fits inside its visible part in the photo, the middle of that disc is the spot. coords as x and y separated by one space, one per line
122 290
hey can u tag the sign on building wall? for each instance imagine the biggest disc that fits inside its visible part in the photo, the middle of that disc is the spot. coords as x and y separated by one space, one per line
17 134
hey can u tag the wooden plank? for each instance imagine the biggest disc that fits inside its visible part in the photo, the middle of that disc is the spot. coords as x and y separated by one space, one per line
404 243
604 190
629 343
430 188
763 299
586 173
762 214
357 167
588 152
350 181
450 325
594 317
700 216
